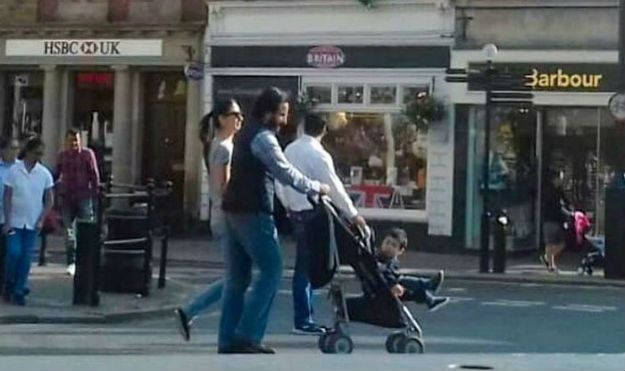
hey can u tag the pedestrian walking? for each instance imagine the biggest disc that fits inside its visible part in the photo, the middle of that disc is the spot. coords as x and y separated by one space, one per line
226 120
308 156
28 197
78 181
9 149
251 235
554 222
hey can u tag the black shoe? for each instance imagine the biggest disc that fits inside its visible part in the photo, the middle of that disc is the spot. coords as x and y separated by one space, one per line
19 300
183 324
6 295
309 329
436 282
543 260
437 303
247 349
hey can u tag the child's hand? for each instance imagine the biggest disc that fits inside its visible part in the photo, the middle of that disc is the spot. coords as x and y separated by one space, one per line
398 290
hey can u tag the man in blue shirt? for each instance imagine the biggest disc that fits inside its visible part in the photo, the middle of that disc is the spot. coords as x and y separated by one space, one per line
9 149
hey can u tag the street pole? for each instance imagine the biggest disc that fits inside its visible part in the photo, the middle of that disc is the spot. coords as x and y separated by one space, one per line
615 192
485 230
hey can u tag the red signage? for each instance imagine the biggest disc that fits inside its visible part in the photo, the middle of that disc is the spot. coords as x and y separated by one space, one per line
325 57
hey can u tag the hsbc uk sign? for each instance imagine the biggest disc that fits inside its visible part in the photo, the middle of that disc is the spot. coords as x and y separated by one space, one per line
84 48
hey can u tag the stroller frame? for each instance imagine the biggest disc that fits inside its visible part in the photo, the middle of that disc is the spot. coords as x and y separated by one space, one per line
337 339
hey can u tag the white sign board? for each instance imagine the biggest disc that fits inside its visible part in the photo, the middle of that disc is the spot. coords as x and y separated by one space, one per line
84 48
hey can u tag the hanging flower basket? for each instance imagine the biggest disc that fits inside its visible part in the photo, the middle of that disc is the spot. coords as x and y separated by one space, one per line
423 110
304 104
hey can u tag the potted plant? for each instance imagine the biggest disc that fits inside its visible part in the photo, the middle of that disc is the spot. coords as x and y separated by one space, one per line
423 110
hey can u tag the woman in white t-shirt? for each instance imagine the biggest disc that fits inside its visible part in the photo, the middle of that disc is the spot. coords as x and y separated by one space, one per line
225 120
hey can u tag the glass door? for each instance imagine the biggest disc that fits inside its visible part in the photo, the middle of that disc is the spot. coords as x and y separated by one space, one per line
513 168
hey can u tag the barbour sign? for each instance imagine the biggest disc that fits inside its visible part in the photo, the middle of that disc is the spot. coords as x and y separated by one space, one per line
561 77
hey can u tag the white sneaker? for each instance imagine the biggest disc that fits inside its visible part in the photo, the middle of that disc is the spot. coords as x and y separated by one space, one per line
71 270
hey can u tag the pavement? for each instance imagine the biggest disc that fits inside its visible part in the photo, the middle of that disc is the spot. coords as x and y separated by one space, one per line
51 289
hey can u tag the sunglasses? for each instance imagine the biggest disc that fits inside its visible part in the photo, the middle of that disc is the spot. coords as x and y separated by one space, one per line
238 115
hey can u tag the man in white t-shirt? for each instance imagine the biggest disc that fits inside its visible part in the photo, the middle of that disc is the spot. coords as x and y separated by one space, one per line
309 157
28 197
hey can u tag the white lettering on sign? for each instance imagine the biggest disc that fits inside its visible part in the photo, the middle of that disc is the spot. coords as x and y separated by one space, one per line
84 48
325 57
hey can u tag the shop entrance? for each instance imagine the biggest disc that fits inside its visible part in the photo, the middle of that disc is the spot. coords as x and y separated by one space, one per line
164 135
514 172
528 148
93 96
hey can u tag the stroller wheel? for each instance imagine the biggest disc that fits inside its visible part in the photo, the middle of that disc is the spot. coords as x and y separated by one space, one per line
339 344
411 345
392 342
323 343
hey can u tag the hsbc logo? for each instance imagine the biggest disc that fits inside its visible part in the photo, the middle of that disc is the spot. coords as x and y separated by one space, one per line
95 48
104 48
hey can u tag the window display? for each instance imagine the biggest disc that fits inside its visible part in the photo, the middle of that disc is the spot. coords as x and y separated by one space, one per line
380 158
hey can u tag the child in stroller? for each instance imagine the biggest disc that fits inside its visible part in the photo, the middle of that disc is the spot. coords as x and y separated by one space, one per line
340 242
407 288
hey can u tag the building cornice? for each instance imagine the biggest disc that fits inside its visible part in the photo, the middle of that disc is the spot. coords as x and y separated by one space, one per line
53 30
495 4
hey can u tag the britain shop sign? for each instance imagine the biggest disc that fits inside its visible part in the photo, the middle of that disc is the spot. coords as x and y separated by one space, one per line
84 48
325 57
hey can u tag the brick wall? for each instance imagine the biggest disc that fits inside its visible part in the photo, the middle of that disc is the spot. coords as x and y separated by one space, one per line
101 11
18 11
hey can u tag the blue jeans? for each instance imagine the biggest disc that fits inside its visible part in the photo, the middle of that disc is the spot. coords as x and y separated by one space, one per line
251 241
84 210
20 244
417 289
214 290
302 291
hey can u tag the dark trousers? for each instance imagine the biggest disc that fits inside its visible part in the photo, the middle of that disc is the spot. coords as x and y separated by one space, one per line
3 253
417 289
302 291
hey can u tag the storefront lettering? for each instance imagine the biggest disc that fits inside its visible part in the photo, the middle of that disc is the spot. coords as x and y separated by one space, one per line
325 57
560 79
82 47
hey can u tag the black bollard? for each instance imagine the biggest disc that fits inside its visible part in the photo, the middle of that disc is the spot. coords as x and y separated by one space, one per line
499 253
615 229
86 280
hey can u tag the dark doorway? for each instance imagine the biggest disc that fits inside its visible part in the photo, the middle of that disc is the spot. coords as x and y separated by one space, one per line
164 135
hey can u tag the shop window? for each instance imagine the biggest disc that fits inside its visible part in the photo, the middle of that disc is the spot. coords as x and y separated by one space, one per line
320 94
381 159
351 94
384 94
23 105
582 146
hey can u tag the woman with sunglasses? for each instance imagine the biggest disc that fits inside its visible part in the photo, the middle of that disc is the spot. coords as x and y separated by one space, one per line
225 120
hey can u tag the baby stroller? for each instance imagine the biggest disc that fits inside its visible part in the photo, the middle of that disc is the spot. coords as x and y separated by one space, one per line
339 242
594 258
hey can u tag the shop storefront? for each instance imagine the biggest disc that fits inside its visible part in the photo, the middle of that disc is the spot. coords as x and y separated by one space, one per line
395 174
129 97
569 134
